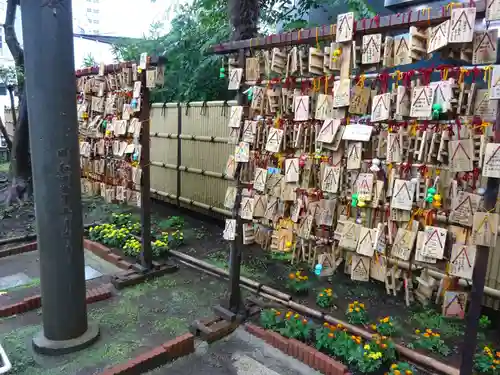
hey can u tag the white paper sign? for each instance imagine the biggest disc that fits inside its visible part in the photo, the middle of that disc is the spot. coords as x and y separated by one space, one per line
357 132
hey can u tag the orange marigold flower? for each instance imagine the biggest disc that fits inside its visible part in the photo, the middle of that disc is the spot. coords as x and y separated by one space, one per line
330 335
291 276
426 334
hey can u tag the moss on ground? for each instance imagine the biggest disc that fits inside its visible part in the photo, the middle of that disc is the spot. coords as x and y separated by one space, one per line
139 318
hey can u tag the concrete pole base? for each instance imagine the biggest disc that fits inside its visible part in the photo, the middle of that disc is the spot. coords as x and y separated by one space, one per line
45 346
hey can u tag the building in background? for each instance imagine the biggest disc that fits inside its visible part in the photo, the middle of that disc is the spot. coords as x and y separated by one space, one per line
87 16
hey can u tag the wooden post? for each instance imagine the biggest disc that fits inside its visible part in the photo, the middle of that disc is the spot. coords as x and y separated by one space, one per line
479 275
144 118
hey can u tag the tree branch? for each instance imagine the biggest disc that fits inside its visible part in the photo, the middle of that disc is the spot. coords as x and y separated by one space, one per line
10 34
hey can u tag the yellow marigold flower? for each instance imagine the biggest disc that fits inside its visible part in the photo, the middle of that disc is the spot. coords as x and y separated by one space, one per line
305 277
417 331
394 366
350 310
366 347
351 305
374 327
330 335
357 309
397 372
296 316
362 305
428 330
325 324
321 295
408 372
356 302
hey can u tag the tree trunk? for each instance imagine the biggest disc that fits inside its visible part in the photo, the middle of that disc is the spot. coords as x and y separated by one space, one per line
20 156
12 106
3 130
244 16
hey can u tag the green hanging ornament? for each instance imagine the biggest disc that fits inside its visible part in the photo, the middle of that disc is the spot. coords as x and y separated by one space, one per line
437 109
250 95
354 200
222 73
431 191
429 198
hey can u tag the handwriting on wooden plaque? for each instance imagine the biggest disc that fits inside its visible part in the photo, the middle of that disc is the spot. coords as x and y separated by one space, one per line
345 27
438 37
371 49
484 47
462 25
421 101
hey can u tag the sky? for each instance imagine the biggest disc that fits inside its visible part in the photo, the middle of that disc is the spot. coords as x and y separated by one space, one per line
132 18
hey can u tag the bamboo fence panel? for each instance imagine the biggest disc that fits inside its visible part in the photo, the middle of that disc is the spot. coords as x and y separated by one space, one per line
204 151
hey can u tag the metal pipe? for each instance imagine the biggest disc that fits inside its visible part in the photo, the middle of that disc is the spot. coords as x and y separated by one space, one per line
189 137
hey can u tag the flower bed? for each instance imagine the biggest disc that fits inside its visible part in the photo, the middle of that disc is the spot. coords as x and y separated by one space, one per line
375 356
122 233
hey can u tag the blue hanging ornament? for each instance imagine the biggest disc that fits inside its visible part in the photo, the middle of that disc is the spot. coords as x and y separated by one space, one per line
317 269
133 103
135 155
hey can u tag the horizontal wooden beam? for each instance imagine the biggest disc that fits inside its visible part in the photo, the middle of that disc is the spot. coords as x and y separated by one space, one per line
111 68
424 17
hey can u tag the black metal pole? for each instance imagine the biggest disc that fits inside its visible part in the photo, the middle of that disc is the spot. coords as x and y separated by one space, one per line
144 117
236 244
478 277
51 89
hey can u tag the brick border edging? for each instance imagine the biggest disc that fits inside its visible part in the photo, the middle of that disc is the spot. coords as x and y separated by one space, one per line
107 254
34 302
21 249
159 356
304 353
